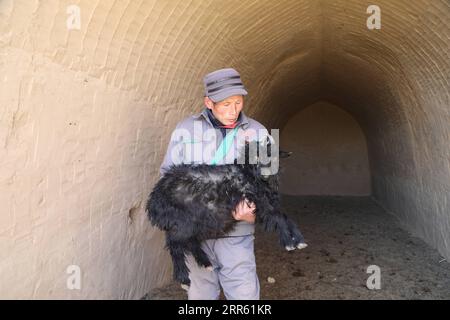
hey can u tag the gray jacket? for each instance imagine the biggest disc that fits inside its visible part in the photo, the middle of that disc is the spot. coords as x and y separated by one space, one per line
195 141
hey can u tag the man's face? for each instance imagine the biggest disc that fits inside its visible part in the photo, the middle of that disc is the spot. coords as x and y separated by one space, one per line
226 111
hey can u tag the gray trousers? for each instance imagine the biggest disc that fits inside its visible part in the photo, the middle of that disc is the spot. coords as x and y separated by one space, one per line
234 268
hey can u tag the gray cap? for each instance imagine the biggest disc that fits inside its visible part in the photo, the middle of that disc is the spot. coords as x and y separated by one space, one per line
223 83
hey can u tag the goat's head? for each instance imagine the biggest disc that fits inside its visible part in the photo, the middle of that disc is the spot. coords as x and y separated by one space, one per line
263 156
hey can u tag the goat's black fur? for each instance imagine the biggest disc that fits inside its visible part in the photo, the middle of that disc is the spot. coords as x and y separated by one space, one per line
193 203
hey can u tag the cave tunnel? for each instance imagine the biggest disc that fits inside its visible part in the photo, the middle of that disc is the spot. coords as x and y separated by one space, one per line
91 91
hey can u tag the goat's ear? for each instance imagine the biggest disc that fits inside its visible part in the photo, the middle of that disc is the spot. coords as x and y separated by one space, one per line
285 154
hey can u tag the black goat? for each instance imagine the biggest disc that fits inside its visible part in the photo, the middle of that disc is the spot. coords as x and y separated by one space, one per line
193 203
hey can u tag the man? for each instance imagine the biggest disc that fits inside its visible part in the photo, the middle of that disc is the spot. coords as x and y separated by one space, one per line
232 257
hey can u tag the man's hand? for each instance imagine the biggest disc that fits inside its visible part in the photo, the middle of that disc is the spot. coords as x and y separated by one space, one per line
245 211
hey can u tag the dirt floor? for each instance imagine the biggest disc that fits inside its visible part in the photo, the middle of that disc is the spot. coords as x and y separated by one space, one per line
345 236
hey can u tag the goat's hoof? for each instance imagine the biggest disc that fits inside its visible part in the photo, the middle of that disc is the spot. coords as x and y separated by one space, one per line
210 268
184 286
301 246
290 248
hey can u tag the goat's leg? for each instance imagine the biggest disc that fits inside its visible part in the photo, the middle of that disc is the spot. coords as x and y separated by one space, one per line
290 236
177 250
200 256
287 240
269 214
297 236
278 222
